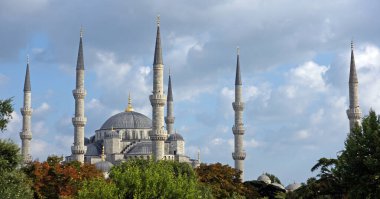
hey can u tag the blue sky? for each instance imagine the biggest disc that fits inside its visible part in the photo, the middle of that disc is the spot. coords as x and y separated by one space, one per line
294 59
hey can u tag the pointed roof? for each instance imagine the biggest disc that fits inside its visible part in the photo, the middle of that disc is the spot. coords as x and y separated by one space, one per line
158 49
170 92
27 86
80 62
353 75
238 76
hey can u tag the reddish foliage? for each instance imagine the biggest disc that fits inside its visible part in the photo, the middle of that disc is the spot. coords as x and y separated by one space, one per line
56 180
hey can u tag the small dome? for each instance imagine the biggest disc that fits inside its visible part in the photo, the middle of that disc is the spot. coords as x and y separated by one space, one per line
175 137
86 141
278 185
127 120
264 178
293 186
104 166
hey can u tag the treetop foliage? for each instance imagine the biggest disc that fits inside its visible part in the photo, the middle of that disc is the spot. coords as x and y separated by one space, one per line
6 110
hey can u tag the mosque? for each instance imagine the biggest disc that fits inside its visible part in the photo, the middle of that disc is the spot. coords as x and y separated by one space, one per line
130 134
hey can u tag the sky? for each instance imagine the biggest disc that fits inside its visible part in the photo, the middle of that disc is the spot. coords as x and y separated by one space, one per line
294 58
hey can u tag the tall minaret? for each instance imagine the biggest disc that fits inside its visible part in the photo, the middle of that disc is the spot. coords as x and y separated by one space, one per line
79 120
238 129
26 111
354 114
157 100
169 119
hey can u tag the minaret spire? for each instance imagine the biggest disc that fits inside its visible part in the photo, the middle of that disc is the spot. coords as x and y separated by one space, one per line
354 113
238 129
169 119
157 100
79 120
26 112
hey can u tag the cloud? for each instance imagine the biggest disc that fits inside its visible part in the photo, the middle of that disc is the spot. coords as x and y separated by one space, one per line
41 111
302 134
309 75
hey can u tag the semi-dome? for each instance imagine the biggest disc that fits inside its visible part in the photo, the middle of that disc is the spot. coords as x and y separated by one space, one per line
264 178
293 186
128 120
104 166
175 137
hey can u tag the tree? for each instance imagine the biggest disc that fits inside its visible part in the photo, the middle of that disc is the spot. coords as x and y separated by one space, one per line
359 163
149 179
223 180
6 110
98 188
13 182
52 179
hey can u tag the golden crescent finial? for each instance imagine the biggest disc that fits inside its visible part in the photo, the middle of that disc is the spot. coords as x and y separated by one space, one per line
102 156
27 59
129 107
352 44
238 50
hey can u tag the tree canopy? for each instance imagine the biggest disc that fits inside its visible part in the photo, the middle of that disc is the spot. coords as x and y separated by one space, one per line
6 110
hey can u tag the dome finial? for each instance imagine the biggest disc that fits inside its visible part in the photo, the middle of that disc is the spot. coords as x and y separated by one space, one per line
129 107
199 155
102 156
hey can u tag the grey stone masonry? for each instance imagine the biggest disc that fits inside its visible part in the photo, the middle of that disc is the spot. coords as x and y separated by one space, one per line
79 120
26 112
169 119
238 129
158 134
354 113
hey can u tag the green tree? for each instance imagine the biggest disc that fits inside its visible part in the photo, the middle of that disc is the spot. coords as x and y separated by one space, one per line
6 110
13 182
359 163
98 188
149 179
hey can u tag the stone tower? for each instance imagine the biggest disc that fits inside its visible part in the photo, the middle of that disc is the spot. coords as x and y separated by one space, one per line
26 111
79 120
169 119
354 114
238 129
157 99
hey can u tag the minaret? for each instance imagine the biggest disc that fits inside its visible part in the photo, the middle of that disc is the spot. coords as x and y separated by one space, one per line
79 120
157 100
238 129
169 119
26 111
354 114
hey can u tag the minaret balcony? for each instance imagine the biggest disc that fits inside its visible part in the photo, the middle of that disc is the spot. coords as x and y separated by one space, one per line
76 149
354 113
26 111
238 155
169 120
27 159
157 99
238 106
79 93
79 121
27 135
160 134
238 130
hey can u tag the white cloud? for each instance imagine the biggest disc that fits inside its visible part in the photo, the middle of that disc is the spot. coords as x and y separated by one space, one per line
310 75
41 110
39 128
302 134
218 141
3 79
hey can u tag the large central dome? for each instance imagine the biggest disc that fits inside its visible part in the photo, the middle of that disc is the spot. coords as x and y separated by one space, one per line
128 120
